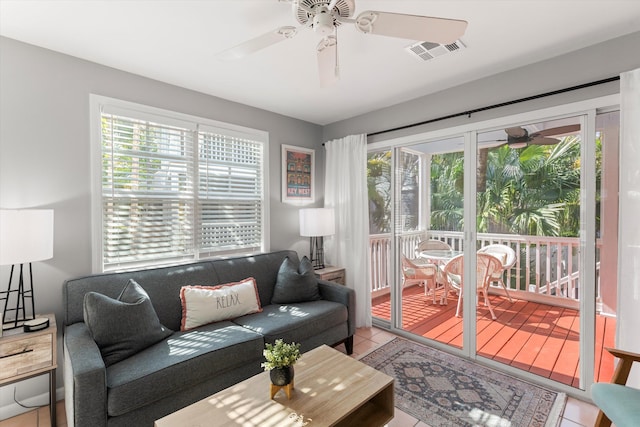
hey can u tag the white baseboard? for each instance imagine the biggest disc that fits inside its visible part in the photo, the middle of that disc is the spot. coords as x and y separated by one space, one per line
13 409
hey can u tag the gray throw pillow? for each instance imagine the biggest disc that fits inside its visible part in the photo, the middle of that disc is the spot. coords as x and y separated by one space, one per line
124 326
295 283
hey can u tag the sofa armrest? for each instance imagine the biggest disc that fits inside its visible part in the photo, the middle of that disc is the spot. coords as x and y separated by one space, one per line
85 379
335 292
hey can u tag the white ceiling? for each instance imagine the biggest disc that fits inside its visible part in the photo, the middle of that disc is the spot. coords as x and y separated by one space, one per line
176 42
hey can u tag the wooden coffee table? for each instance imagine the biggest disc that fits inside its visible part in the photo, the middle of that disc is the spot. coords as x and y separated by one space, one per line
331 389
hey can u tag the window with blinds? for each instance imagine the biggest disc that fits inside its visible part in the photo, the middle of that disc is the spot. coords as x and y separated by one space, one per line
175 190
230 192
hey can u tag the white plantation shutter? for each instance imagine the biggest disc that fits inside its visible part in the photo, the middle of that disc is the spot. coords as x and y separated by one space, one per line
176 190
230 192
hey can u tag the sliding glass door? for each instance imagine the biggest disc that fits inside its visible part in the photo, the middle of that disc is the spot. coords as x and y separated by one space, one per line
416 199
493 243
528 192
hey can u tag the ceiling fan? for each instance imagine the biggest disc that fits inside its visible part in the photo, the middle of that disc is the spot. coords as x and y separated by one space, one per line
519 137
325 16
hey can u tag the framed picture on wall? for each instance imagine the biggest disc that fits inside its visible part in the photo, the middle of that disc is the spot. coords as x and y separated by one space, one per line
298 177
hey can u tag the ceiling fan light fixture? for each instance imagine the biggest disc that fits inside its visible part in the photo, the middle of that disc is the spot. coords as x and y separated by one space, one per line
323 22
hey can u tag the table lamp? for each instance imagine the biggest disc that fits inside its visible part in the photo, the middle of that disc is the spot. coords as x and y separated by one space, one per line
316 223
26 236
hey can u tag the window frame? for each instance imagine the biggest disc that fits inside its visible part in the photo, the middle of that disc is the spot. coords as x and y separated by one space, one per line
98 104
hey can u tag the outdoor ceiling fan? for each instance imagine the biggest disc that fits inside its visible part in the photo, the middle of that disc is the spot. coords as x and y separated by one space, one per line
519 137
325 16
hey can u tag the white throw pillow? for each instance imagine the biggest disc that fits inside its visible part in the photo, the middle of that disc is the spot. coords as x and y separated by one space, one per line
208 304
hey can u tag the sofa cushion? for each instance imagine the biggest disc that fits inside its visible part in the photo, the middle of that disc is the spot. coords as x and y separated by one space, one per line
180 362
295 322
124 326
262 267
295 283
207 304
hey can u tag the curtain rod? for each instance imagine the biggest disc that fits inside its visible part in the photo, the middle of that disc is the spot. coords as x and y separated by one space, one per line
502 104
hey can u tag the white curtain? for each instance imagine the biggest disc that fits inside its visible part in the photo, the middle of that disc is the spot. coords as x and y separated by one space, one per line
629 245
346 192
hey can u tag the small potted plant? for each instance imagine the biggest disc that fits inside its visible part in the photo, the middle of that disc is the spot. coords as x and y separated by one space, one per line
281 357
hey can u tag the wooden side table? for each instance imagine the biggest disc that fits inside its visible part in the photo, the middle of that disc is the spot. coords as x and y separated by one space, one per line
332 274
29 354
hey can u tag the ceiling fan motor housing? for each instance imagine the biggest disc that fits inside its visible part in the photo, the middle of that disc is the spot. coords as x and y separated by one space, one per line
343 9
323 22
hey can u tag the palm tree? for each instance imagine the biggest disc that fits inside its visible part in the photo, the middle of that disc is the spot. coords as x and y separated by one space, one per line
534 190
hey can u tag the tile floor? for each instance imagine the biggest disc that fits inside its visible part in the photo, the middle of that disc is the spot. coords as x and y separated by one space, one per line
576 413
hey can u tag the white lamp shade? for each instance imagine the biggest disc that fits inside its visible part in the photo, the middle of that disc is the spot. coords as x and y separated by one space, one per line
26 235
317 222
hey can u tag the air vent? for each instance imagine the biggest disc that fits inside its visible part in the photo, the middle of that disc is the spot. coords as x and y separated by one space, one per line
428 50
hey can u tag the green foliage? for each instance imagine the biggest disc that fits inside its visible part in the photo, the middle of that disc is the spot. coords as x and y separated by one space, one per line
379 190
408 210
123 140
280 355
530 191
447 197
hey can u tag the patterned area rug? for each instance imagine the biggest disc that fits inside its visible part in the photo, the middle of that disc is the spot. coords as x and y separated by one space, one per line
443 390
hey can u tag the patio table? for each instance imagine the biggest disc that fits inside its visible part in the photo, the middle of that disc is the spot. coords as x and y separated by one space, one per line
439 256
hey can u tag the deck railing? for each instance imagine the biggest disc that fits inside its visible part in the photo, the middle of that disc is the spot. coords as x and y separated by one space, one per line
545 266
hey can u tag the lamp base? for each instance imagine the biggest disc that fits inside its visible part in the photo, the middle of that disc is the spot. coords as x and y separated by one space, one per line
20 294
316 250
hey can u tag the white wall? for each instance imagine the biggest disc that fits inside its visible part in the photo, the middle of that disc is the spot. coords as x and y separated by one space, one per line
44 158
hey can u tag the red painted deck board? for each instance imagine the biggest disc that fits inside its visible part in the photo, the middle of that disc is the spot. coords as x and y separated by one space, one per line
538 336
607 361
535 337
491 339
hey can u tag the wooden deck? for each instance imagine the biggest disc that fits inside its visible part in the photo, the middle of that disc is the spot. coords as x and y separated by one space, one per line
538 338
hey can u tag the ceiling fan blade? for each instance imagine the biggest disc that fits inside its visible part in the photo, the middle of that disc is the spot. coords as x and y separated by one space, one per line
413 27
544 141
516 145
560 130
492 144
258 43
328 61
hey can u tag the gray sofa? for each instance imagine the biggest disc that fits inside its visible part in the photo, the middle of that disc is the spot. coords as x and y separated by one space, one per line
189 365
